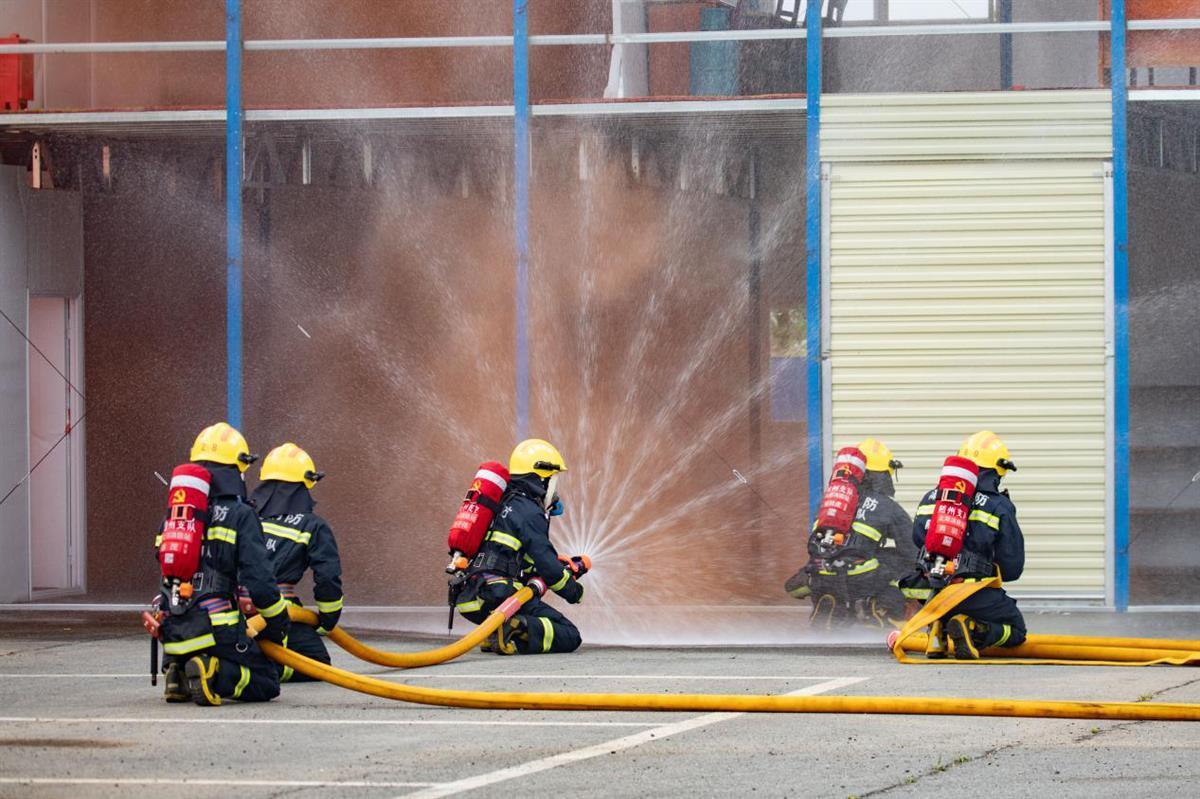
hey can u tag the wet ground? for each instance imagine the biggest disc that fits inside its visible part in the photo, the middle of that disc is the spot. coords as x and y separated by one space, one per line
79 718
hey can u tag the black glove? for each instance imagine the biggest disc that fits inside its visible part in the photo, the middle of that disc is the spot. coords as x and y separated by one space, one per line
277 629
327 621
579 565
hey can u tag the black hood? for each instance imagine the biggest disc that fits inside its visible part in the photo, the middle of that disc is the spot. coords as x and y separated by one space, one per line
226 480
989 481
529 485
278 498
880 483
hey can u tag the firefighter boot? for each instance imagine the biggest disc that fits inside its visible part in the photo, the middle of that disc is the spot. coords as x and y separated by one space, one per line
176 688
824 607
513 630
960 630
936 648
201 679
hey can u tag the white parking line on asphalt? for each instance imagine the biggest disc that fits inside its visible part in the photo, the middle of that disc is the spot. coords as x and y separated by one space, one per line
115 781
335 722
610 747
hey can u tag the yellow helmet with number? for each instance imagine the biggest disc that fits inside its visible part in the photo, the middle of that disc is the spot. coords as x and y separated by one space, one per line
535 456
879 457
290 464
221 443
988 452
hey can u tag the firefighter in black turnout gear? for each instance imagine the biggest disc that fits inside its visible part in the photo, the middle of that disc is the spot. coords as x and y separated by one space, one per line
856 581
517 552
209 657
297 540
993 542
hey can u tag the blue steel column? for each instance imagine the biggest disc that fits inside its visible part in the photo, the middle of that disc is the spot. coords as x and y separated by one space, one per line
812 246
521 204
1120 97
233 212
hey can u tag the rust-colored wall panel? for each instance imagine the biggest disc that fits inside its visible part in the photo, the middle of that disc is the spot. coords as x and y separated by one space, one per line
401 381
670 63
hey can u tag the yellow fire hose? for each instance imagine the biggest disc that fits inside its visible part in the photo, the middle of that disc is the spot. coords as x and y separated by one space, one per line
882 705
1041 650
408 660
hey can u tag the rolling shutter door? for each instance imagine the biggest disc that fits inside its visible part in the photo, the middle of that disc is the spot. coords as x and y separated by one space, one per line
970 295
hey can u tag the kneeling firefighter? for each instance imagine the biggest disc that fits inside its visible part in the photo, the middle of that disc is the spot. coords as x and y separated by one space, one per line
859 544
210 543
967 530
516 551
298 540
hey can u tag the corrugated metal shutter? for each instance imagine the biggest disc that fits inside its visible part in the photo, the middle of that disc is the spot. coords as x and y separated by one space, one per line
971 295
966 125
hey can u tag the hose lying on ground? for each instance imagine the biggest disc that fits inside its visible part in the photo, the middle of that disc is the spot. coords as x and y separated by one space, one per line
705 703
409 660
1045 650
504 700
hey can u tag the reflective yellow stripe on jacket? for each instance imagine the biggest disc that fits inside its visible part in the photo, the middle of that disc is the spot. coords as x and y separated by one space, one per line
867 530
225 618
507 540
189 645
990 519
274 610
862 568
290 533
226 534
329 607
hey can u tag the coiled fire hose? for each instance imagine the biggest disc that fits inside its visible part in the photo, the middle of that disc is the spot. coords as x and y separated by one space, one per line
507 700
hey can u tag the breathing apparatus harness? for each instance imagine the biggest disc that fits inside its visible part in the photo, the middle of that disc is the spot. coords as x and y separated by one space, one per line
943 556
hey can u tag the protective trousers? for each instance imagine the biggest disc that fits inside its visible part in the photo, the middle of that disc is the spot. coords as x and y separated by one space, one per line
1005 624
845 596
548 630
304 640
245 672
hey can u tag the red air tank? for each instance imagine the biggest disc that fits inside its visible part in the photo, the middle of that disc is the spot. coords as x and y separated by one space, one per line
947 528
183 531
477 511
840 501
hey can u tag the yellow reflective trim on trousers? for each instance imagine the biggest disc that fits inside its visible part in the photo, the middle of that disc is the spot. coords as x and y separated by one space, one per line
862 568
471 606
290 533
1004 638
287 674
189 645
274 610
565 577
547 634
226 534
507 540
917 593
867 530
242 683
329 607
225 618
990 519
925 510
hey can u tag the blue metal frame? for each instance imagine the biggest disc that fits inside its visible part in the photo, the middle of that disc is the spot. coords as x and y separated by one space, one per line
812 246
233 212
521 205
1120 281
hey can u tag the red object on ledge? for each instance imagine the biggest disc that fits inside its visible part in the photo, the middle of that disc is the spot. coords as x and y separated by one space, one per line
16 76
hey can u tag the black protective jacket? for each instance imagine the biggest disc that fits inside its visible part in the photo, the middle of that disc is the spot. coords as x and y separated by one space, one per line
298 540
233 554
879 522
992 530
518 545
